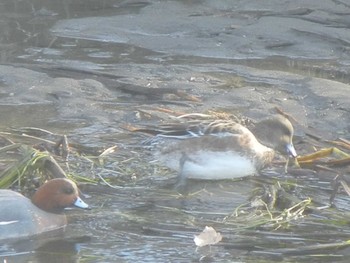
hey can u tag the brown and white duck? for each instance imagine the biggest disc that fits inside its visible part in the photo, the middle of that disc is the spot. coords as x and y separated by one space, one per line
223 149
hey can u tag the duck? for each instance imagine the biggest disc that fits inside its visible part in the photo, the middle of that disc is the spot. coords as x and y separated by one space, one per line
21 217
224 149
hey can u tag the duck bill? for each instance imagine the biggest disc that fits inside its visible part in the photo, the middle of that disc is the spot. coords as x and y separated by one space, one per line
80 203
291 151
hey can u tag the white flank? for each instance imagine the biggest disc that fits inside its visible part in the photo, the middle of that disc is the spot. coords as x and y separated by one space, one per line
214 166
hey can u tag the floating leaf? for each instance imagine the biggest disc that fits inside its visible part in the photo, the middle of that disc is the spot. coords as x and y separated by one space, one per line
208 237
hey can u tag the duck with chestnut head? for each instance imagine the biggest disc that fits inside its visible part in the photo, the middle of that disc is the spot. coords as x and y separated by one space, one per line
21 217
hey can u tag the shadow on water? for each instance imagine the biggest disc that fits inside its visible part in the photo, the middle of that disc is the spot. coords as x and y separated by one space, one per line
65 72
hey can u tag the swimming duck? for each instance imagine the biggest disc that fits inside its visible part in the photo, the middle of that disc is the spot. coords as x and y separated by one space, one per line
223 149
21 217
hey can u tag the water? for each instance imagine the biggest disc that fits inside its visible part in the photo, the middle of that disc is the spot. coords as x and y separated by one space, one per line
87 69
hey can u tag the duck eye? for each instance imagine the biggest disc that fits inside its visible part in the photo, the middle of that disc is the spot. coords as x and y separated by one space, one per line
68 190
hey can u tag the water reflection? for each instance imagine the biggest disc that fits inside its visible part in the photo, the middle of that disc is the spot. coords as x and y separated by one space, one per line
39 249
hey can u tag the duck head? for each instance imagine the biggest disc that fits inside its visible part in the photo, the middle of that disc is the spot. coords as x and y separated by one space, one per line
57 194
277 133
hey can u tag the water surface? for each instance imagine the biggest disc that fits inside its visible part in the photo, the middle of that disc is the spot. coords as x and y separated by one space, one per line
86 69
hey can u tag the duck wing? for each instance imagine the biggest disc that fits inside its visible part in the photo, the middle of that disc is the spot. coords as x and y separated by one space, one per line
196 125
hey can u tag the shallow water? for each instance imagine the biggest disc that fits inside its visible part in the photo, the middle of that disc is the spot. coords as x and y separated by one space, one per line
86 69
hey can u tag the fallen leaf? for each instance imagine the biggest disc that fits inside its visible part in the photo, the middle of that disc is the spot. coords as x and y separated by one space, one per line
208 237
